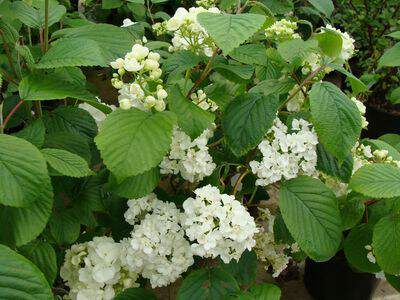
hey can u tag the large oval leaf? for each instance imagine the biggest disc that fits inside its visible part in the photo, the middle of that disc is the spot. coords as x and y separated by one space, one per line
336 119
132 141
247 119
377 180
21 279
23 171
310 211
386 243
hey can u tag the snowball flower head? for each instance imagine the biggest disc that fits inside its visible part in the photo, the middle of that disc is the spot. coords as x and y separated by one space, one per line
157 248
282 30
218 224
286 154
189 158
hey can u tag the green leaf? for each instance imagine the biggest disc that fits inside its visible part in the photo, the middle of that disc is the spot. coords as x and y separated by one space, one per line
34 18
336 119
33 133
114 41
377 180
303 50
244 270
223 91
310 211
391 57
192 119
65 226
71 142
109 4
394 96
392 139
394 281
20 278
132 141
136 294
233 71
324 6
247 119
395 35
356 84
19 226
210 284
48 87
70 119
386 243
330 42
23 171
352 209
274 86
70 52
43 256
251 54
136 186
66 163
265 292
329 165
354 248
229 31
181 61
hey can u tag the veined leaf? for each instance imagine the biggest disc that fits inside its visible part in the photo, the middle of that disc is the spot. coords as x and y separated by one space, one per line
229 31
311 213
33 133
32 285
324 6
391 58
22 171
132 141
247 119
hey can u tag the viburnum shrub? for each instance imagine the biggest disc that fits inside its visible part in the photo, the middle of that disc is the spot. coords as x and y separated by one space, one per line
226 148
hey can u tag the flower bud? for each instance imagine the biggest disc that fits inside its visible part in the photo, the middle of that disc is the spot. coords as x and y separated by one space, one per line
154 56
139 51
151 65
117 64
125 103
162 94
160 105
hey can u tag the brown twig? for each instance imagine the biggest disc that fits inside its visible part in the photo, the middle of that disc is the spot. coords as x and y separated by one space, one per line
15 108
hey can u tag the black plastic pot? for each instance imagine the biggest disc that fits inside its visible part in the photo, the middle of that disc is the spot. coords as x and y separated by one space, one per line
335 280
381 122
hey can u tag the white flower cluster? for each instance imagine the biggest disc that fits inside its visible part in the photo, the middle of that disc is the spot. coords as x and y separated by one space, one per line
347 46
201 100
362 109
189 158
157 248
188 33
269 251
286 154
363 155
94 270
295 104
96 114
145 68
218 224
282 30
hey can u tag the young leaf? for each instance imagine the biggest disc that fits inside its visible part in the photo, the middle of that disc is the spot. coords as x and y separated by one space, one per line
191 119
66 163
42 254
211 284
229 31
23 171
32 285
336 119
324 6
132 141
377 180
247 119
330 42
386 243
310 211
70 52
354 248
20 225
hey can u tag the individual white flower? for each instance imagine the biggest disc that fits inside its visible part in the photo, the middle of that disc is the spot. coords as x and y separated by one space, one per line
132 65
286 155
282 30
127 22
157 248
125 103
189 158
267 249
117 64
218 224
348 44
139 52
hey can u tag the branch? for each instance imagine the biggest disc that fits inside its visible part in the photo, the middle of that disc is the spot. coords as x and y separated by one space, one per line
15 108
